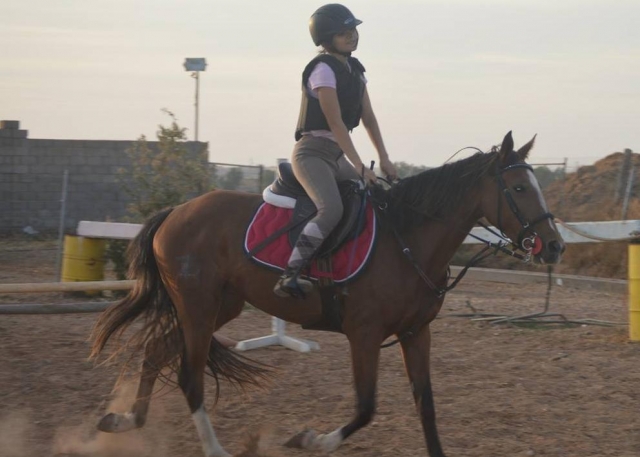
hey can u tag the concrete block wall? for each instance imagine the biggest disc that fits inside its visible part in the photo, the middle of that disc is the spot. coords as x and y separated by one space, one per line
31 180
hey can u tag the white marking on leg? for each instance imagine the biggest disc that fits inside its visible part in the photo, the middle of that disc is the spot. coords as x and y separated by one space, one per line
118 423
128 422
327 443
210 443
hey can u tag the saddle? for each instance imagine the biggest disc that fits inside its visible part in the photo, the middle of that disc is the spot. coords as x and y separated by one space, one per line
287 192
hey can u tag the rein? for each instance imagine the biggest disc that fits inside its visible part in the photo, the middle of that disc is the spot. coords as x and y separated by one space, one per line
483 254
525 244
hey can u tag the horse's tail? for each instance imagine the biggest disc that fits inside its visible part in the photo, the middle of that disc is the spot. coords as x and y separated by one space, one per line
149 299
235 368
148 296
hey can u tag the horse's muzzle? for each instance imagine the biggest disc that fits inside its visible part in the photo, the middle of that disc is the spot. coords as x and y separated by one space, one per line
552 252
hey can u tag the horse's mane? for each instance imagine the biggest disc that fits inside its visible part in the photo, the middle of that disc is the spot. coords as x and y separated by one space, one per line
437 192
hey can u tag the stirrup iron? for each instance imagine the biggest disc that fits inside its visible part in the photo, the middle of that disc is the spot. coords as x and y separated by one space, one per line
291 285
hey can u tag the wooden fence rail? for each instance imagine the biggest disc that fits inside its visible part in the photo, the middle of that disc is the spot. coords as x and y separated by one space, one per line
56 308
80 286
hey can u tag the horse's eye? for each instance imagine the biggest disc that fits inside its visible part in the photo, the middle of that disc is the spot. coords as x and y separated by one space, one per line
519 188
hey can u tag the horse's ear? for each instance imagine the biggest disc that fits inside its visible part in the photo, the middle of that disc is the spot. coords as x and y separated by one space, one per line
507 146
523 152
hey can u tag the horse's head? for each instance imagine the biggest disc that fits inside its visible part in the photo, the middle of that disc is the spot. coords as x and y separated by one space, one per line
513 202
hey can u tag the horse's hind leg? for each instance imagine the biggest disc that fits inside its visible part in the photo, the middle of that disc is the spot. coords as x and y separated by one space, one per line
154 360
197 315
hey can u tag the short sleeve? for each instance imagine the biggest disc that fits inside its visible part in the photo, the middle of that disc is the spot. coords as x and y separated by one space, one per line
321 76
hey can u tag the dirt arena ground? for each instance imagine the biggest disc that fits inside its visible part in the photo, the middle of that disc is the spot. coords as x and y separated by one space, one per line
499 390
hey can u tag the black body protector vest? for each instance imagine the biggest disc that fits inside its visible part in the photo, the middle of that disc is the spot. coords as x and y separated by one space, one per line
350 90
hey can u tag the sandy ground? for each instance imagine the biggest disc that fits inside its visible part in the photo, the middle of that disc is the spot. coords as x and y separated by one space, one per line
499 390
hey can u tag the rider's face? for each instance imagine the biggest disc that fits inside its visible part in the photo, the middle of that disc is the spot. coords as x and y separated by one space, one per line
347 41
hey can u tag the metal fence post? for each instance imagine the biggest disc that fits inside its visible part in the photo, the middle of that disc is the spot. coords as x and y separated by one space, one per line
63 210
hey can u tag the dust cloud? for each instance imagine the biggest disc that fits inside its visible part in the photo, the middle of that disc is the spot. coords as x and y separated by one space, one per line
15 428
18 428
259 445
84 440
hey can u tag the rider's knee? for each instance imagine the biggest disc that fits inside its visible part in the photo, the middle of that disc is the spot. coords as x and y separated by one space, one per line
331 215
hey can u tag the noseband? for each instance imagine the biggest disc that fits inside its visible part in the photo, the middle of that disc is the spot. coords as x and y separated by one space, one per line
525 243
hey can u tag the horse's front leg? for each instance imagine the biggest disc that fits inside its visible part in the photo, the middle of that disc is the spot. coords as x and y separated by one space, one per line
416 359
365 354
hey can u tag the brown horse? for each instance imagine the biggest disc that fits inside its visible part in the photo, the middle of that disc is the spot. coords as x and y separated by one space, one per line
193 277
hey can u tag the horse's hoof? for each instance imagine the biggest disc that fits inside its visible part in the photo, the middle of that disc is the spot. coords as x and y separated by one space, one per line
326 442
308 439
302 440
117 423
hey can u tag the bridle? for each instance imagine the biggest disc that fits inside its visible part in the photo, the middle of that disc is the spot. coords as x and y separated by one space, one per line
525 243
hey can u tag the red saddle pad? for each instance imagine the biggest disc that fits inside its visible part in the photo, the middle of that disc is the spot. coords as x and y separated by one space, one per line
347 262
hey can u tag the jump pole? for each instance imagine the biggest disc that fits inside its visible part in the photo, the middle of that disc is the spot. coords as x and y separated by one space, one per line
56 308
79 286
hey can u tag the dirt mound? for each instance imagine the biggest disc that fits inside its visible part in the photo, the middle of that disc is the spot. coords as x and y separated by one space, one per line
596 192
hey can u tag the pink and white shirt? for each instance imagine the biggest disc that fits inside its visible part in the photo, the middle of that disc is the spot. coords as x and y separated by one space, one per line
322 76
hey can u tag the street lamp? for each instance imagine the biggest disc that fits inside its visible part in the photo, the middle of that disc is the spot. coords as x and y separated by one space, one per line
196 65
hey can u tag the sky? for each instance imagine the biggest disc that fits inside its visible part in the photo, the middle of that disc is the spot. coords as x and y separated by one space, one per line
442 74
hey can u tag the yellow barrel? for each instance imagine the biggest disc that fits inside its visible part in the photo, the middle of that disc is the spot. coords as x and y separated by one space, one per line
634 291
83 259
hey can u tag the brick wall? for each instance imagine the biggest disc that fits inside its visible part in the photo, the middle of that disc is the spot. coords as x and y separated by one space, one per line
31 180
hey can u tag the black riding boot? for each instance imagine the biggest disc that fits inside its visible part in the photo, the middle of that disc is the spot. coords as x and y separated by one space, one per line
291 284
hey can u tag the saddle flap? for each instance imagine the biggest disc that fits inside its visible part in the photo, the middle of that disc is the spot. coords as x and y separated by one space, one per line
346 229
267 243
286 187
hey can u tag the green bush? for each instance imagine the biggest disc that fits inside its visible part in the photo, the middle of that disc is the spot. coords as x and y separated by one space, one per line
161 175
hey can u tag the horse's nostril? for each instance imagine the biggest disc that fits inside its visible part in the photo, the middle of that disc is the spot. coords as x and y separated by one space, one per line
556 247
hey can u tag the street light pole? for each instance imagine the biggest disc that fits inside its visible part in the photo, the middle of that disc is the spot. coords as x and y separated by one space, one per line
196 65
197 76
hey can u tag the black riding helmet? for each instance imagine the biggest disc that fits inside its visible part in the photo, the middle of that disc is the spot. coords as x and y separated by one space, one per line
329 20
